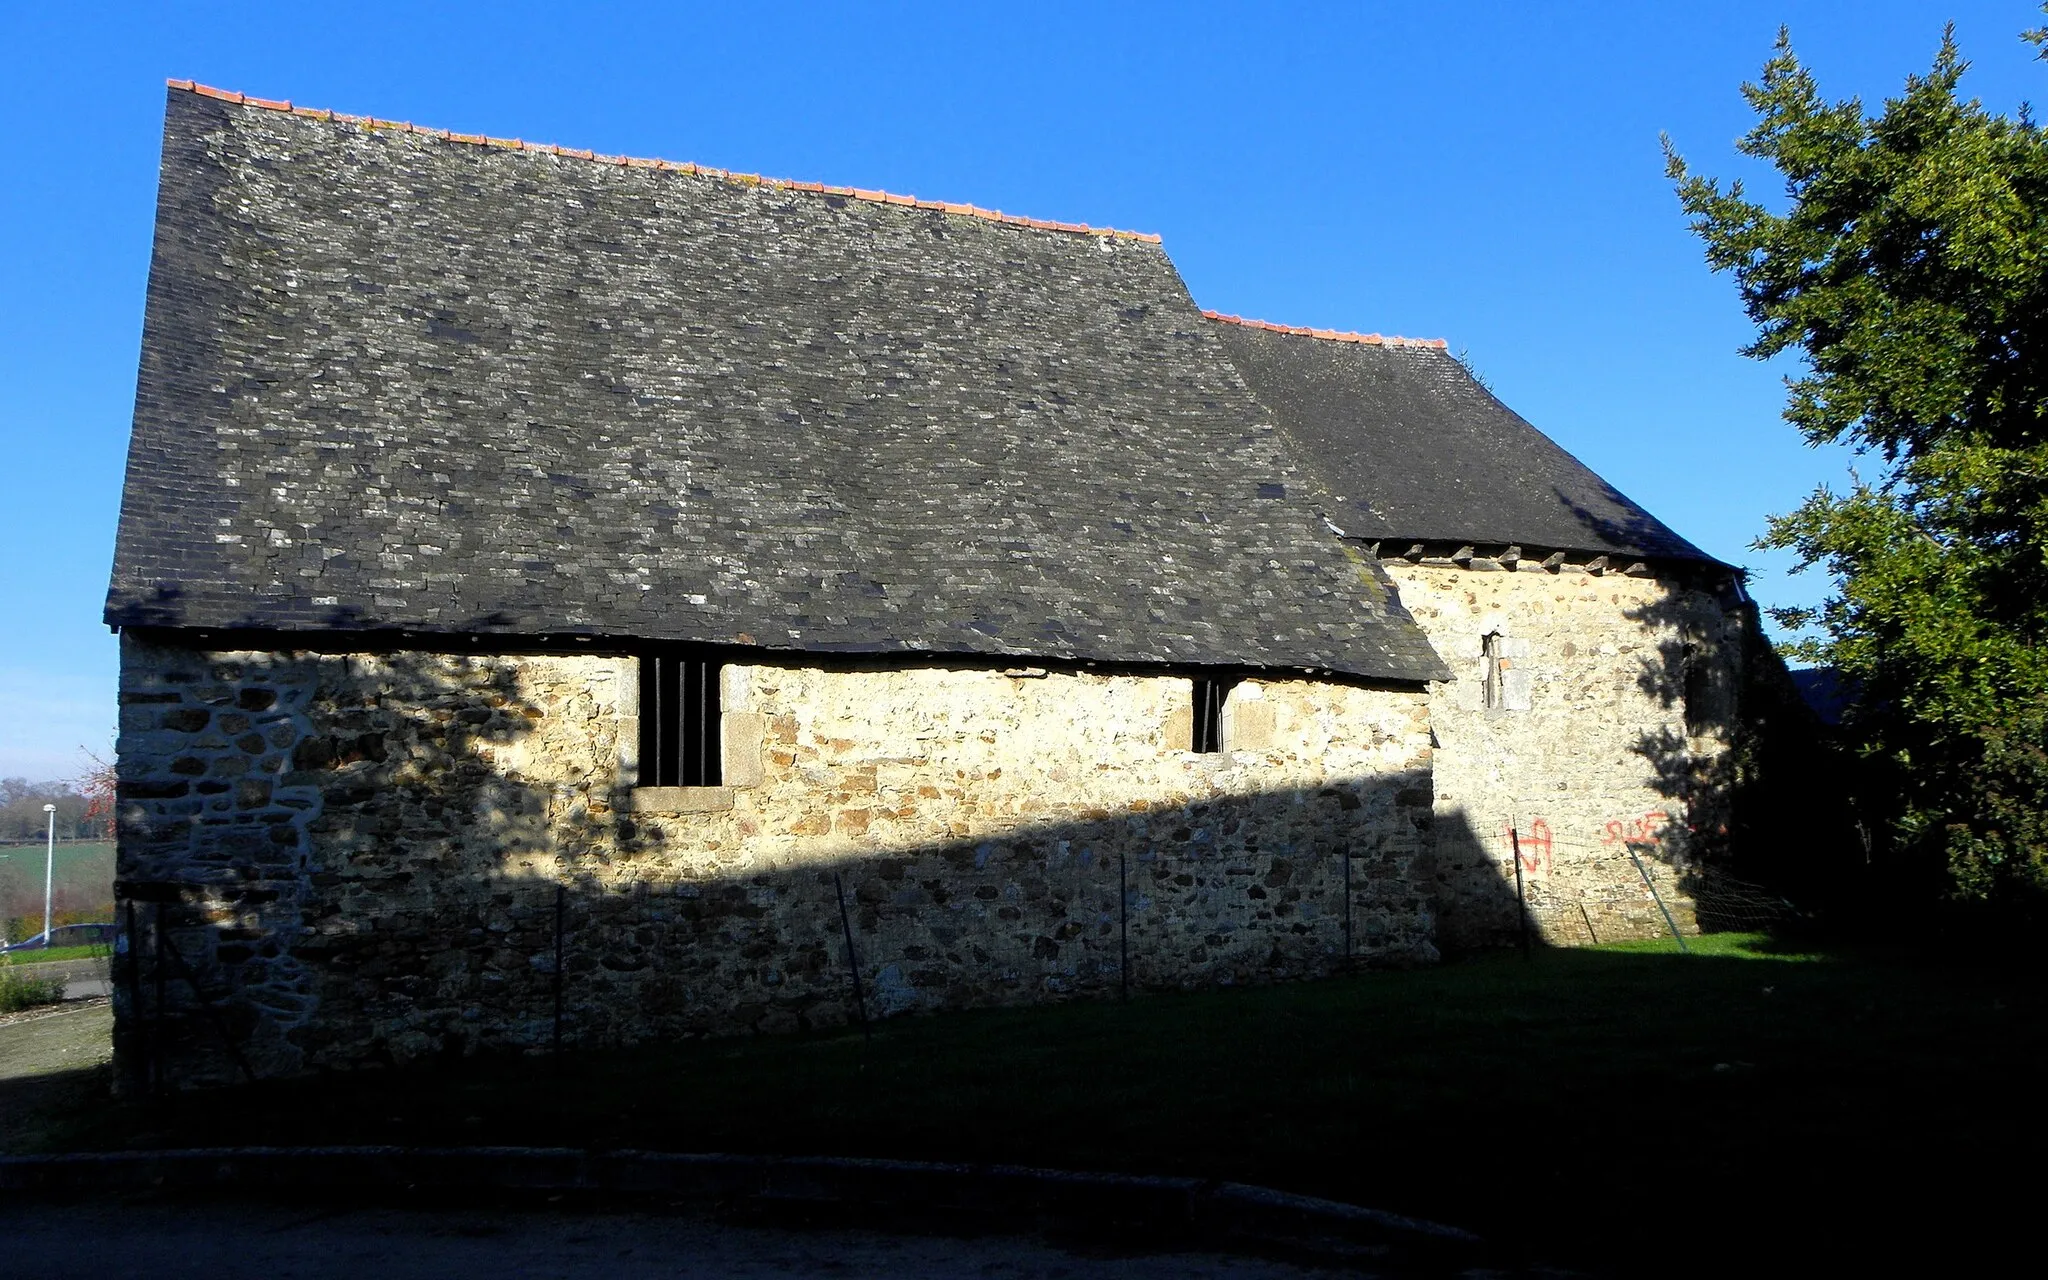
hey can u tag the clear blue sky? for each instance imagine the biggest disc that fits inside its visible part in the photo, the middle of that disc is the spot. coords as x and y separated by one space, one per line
1487 174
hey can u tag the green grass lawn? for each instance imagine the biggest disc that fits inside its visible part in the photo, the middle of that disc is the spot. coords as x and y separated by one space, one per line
50 955
1625 1106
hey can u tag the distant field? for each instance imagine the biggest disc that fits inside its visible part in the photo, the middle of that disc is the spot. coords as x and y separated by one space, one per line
82 886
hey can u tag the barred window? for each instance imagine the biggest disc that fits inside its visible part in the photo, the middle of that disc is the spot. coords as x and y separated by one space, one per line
679 714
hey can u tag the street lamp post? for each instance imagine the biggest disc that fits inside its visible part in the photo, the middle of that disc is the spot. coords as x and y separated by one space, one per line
49 870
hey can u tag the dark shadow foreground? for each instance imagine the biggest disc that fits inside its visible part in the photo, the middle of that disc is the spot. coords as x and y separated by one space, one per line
1637 1112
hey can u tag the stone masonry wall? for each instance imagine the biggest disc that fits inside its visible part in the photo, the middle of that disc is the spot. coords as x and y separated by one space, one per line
373 857
1612 729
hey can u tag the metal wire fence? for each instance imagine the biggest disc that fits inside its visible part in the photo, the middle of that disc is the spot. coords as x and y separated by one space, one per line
1633 878
536 965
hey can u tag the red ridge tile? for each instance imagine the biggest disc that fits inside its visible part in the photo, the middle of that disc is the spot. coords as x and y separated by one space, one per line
515 144
1328 335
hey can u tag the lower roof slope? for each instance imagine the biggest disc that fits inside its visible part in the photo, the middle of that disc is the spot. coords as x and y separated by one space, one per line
1412 448
397 381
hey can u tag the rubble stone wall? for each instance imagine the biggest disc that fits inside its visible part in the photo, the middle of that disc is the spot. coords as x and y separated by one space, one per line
374 857
1609 730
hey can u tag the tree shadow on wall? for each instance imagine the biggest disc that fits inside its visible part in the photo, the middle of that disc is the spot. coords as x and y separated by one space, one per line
1774 806
1764 790
470 879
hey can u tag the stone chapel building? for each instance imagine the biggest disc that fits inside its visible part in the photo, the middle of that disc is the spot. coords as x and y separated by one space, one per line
580 599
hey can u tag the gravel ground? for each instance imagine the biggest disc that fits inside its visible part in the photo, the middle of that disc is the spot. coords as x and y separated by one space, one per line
38 1042
231 1240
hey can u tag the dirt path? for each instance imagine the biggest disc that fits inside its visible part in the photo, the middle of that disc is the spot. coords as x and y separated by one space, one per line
51 1061
227 1240
64 1038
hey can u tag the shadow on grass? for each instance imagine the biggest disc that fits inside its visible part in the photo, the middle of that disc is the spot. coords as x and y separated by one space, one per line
1612 1108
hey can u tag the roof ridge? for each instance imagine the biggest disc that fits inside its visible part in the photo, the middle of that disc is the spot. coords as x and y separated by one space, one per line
1331 335
635 162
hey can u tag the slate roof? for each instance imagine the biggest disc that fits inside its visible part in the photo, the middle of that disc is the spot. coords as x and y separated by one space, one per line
394 380
1412 449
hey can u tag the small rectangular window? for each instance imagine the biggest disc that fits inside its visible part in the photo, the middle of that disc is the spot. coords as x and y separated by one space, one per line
1210 691
1496 671
1706 702
679 722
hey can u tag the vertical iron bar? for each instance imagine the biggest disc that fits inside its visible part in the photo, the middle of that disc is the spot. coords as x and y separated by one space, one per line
1649 884
561 908
860 1000
1208 734
1123 928
657 756
714 767
714 764
1521 899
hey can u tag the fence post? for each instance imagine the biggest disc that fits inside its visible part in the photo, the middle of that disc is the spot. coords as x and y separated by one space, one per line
561 909
1345 853
860 1000
211 1011
1521 897
157 967
138 1032
1651 885
1123 929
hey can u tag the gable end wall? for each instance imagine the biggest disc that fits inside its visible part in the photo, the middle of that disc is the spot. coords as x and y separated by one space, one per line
1593 753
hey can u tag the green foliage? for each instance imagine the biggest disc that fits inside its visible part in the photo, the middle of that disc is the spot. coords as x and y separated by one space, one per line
20 991
1909 271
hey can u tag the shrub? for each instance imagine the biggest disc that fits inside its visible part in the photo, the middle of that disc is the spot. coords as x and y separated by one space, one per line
19 991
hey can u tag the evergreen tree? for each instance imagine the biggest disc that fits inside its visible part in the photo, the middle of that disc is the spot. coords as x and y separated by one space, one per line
1909 269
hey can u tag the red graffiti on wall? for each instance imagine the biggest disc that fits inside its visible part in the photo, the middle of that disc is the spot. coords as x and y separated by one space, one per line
1533 843
1647 829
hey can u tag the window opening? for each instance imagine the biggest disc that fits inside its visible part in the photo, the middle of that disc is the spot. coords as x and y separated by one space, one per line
1497 664
1210 691
1702 706
679 738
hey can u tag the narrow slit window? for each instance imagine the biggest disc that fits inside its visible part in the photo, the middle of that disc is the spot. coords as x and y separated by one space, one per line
1703 709
1209 695
1496 670
679 737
